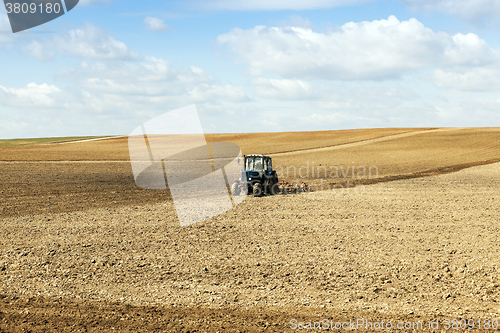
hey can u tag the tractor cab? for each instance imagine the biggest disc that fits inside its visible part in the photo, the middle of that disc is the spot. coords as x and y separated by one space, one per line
258 163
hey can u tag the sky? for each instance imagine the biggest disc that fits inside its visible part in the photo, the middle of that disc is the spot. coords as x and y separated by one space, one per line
108 66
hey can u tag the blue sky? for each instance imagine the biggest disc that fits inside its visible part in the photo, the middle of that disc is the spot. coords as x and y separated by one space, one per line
253 66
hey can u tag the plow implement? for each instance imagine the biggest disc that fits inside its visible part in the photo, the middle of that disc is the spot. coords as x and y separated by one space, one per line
289 188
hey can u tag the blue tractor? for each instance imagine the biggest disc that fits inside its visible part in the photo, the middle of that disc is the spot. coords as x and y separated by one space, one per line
257 178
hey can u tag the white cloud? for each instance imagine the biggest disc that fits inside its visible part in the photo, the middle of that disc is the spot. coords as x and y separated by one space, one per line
322 105
201 93
93 43
35 49
484 109
114 97
470 79
284 89
152 81
89 42
296 21
33 96
244 5
123 87
356 51
365 100
470 50
155 24
473 10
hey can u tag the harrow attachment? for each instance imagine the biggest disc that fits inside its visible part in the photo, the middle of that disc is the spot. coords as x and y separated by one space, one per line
290 188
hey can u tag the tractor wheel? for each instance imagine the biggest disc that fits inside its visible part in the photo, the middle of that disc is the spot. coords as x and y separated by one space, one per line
274 188
257 190
235 189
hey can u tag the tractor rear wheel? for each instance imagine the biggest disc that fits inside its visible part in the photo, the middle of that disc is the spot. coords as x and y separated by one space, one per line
257 190
274 188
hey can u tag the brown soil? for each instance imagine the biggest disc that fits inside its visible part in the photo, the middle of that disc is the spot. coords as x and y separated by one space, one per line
76 176
35 188
40 314
254 143
83 249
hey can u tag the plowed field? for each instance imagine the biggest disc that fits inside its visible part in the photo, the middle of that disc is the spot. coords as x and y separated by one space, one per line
84 249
